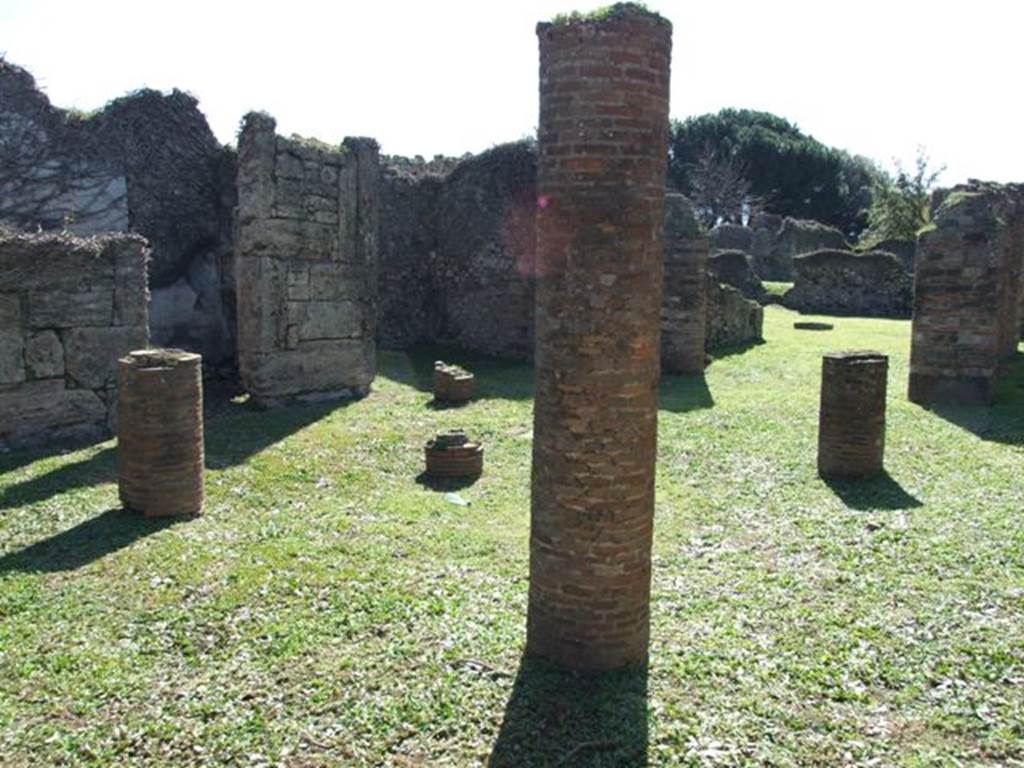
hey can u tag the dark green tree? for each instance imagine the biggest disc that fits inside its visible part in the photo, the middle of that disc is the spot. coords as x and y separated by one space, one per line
792 173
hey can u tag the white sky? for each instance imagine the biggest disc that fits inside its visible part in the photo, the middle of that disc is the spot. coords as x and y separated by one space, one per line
875 77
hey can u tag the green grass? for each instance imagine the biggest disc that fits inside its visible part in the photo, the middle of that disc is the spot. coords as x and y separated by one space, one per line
329 609
776 289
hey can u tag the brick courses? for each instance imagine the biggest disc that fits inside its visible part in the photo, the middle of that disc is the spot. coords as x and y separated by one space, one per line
604 88
851 419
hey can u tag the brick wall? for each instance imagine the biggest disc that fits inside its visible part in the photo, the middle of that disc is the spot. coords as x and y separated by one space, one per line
966 294
683 307
305 265
69 308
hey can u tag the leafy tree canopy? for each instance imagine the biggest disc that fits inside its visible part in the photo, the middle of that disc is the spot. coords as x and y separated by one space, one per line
792 173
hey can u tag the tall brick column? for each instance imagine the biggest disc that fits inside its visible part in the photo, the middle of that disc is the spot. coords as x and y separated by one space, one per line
604 90
851 420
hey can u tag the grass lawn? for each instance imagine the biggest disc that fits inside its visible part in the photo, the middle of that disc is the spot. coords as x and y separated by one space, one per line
332 608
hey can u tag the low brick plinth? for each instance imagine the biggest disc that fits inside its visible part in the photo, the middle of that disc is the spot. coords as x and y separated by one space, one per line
452 454
160 432
851 422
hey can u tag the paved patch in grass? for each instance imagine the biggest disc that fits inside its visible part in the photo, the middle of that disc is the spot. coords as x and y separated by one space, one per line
334 608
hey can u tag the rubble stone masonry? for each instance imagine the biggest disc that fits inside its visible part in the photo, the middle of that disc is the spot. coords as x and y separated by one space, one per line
604 90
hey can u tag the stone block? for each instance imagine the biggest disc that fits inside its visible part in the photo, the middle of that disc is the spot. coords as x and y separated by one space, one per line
44 355
38 411
65 309
91 354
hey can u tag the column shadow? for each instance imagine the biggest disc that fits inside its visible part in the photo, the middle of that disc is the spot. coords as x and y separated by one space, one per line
99 468
88 541
682 393
881 492
496 379
559 718
1001 422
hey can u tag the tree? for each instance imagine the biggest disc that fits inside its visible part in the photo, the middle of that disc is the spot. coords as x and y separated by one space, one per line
900 205
719 188
793 173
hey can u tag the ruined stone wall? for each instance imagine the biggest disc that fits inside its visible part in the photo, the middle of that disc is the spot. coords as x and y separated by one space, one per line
146 163
306 263
772 242
966 294
486 242
457 253
872 284
408 296
732 319
69 307
733 268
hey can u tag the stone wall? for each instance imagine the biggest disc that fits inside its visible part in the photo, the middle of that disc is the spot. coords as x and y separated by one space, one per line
457 244
732 319
872 284
966 294
733 268
69 308
146 163
305 267
483 272
772 242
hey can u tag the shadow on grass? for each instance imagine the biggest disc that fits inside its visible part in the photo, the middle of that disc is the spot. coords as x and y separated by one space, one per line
99 468
88 541
236 430
557 718
444 483
879 492
680 394
495 379
1001 422
734 349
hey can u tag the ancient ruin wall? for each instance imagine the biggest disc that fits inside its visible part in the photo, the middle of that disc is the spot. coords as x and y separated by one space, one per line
872 284
732 319
485 252
683 306
457 249
966 294
604 89
69 308
305 266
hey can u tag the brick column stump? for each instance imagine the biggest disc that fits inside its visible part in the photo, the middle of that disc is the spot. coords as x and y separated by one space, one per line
851 421
160 432
604 90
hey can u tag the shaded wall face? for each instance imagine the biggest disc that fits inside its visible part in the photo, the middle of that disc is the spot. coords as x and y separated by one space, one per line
684 301
966 293
457 250
601 189
69 308
305 266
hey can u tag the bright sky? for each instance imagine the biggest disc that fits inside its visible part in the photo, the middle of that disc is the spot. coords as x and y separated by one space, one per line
876 77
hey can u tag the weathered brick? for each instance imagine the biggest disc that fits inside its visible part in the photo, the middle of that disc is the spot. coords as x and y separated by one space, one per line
598 310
